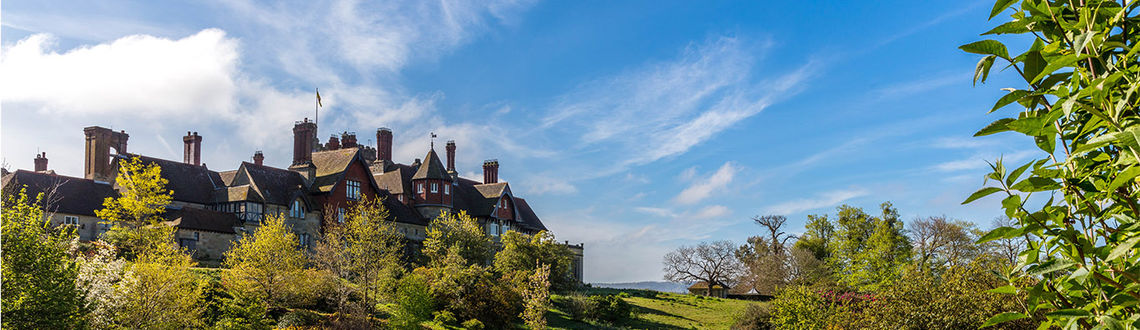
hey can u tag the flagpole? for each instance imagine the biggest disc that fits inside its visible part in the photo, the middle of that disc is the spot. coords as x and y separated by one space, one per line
317 113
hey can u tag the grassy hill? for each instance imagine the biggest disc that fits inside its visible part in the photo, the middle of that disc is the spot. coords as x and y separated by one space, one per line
659 310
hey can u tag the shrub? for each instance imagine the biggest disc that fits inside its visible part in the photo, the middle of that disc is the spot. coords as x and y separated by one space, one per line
445 318
577 306
473 324
800 307
609 308
413 302
756 317
300 318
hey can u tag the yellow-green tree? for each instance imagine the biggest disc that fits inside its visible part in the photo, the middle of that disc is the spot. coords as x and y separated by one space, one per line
523 253
39 290
365 251
161 292
460 231
136 215
536 297
267 264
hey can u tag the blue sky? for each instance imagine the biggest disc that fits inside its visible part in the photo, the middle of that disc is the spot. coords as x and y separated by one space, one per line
634 127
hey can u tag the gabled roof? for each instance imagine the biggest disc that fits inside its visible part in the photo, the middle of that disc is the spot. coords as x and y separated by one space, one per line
275 185
432 168
72 196
468 197
492 190
526 215
202 219
243 192
402 213
227 176
330 166
397 181
187 182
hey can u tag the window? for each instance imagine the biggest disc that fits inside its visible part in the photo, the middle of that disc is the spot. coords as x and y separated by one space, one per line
400 197
303 239
434 187
419 188
353 191
446 190
71 220
296 210
197 236
340 214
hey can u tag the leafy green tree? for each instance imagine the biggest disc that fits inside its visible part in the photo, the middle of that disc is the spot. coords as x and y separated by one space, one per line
472 291
161 291
136 215
868 251
817 236
523 253
1077 100
39 290
414 302
267 264
365 251
461 231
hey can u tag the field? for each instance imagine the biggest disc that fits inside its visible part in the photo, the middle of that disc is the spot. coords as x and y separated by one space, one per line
660 310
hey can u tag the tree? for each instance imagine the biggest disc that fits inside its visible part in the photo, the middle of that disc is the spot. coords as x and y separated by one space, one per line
1077 100
136 215
461 231
160 291
536 297
266 264
413 302
523 253
774 224
39 277
365 251
868 251
714 263
817 238
940 243
472 291
1006 249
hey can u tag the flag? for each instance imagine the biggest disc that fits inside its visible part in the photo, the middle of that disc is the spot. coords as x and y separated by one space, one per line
319 98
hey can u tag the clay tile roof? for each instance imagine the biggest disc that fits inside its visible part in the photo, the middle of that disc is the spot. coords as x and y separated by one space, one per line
469 198
402 213
396 181
73 195
227 176
331 165
239 193
275 185
492 190
188 183
202 219
432 168
527 216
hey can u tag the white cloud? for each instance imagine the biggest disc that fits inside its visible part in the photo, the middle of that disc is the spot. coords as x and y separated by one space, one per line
822 200
714 211
656 211
548 185
704 187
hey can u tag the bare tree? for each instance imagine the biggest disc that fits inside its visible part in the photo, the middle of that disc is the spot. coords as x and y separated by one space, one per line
774 224
939 242
714 263
1007 248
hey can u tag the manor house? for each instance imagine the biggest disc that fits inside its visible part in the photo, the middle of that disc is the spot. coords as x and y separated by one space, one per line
211 209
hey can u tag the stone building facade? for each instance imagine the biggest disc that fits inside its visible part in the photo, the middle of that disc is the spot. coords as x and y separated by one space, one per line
212 209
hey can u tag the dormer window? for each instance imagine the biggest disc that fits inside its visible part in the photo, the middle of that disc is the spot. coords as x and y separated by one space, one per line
434 187
297 210
353 190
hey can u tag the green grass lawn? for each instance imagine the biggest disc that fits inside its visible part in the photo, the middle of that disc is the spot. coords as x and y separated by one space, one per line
659 310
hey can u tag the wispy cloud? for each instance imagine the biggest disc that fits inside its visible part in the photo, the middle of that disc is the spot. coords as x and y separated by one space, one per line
826 199
703 187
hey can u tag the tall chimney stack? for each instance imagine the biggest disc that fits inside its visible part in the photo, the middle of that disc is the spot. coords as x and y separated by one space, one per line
491 171
41 162
192 151
97 152
384 144
451 155
333 144
304 133
348 140
258 157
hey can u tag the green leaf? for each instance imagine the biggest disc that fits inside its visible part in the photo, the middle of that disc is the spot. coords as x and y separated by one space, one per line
1008 289
1054 65
1096 143
1070 312
981 193
1123 248
987 47
1035 184
1009 98
1000 233
1049 267
1002 318
999 6
983 69
1081 41
1124 177
1016 174
1011 27
998 126
1031 126
1110 323
1033 65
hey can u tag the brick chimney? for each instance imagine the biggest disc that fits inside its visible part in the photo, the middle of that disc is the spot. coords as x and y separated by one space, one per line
304 133
258 157
192 149
348 139
491 171
97 152
384 144
451 155
41 162
333 144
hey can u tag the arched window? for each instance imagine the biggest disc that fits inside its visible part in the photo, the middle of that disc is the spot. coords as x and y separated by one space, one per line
297 210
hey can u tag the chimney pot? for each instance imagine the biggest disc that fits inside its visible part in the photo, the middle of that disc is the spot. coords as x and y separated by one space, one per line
258 157
41 162
491 171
